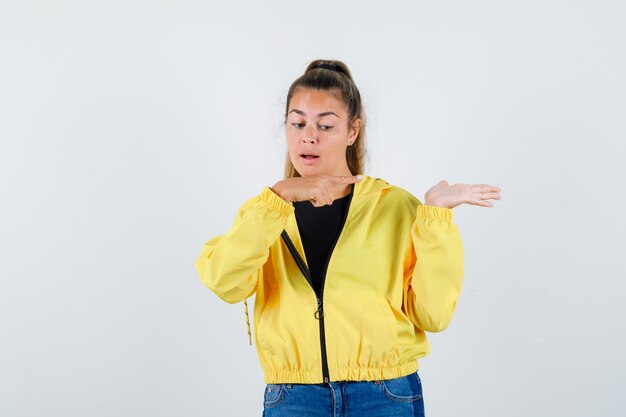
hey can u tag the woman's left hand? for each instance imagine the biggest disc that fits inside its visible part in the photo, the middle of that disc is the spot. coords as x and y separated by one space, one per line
450 196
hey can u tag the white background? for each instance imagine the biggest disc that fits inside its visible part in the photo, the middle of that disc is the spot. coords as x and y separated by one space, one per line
132 131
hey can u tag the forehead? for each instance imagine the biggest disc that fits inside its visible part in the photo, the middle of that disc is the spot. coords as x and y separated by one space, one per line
313 101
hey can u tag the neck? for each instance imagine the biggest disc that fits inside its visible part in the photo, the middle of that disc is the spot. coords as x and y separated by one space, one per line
343 172
344 191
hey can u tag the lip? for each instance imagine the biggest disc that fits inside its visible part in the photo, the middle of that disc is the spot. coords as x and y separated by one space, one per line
306 161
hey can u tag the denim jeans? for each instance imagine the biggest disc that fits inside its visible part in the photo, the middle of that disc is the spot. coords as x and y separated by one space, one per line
397 397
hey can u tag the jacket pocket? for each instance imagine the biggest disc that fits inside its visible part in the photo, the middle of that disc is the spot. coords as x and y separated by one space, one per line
378 345
390 320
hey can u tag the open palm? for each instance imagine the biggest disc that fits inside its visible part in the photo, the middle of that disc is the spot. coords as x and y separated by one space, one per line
444 195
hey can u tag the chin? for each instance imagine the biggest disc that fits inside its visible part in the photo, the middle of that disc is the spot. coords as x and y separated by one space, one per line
304 170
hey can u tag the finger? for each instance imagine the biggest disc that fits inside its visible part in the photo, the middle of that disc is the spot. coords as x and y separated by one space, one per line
477 196
314 199
480 203
327 196
320 199
316 202
346 179
489 196
487 188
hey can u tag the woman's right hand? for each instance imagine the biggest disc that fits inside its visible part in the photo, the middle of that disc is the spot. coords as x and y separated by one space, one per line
321 190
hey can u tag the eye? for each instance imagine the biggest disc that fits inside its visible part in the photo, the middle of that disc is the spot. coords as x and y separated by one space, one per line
296 125
326 127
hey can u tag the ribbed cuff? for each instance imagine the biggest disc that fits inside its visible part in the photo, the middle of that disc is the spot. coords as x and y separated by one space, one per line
275 202
434 213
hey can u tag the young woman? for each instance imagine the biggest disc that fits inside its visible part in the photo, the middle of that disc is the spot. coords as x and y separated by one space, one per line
349 271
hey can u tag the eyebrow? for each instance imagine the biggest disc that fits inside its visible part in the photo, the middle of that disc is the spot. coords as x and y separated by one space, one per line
326 113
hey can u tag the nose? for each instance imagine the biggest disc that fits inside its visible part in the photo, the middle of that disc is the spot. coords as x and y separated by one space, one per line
308 136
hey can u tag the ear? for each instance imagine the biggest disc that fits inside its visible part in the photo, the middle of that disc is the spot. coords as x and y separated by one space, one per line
355 127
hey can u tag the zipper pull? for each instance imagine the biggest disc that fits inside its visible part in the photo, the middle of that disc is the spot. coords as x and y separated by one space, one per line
319 313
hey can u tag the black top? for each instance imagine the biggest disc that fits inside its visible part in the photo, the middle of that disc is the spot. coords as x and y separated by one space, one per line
319 227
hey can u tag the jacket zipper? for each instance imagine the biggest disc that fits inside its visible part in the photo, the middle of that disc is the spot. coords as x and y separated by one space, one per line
319 313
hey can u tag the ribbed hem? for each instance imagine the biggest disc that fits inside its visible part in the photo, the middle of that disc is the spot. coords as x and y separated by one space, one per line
373 374
275 202
434 213
343 374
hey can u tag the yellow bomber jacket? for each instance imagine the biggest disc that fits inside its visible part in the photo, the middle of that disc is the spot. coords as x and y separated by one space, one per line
394 273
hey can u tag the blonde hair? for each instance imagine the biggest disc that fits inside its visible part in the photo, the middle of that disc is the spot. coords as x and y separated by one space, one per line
335 77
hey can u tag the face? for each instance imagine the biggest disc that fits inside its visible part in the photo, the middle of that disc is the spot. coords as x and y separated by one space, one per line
317 126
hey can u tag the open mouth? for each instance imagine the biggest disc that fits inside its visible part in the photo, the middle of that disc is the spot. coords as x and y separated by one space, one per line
309 156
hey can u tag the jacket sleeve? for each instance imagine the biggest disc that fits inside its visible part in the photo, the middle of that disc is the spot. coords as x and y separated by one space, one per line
434 269
231 264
